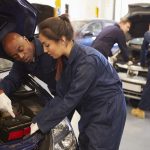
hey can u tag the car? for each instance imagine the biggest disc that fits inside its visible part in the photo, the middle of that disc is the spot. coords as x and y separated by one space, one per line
87 30
20 16
133 76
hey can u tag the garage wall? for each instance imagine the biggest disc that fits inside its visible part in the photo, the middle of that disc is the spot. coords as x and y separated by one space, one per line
86 9
81 9
77 9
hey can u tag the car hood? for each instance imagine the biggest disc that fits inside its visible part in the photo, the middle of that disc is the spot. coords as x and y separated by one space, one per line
16 16
139 14
44 11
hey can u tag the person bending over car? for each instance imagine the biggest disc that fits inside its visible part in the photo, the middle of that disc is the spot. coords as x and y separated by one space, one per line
111 35
29 58
145 99
89 83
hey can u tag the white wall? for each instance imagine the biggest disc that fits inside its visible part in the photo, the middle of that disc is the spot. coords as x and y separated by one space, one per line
86 9
106 9
81 9
46 2
77 9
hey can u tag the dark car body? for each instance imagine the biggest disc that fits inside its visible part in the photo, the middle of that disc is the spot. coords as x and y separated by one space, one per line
134 76
21 17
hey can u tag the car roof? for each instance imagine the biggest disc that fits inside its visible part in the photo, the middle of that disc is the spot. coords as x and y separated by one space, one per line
78 24
90 20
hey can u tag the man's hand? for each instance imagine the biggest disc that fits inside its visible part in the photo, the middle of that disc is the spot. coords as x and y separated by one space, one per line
129 63
34 127
5 104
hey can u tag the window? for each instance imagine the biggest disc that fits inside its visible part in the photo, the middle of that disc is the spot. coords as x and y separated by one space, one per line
94 28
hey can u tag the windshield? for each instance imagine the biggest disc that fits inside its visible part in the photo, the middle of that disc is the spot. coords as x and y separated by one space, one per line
108 23
5 65
77 25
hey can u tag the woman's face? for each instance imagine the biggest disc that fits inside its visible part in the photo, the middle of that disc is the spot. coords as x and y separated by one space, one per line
51 47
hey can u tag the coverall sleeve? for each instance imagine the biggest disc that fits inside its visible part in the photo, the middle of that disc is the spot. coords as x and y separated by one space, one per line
123 47
56 110
144 52
14 79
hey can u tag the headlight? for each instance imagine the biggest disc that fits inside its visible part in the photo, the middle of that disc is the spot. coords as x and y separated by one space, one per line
63 136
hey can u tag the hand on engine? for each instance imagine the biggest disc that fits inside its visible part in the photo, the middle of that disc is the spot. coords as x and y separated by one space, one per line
130 63
5 104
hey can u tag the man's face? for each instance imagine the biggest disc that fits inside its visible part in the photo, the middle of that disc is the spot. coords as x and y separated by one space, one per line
125 27
20 49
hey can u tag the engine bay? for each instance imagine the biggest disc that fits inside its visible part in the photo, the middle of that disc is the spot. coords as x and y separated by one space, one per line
25 108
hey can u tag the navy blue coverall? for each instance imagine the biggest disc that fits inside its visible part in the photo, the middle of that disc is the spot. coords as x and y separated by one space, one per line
92 85
43 67
145 99
144 47
107 38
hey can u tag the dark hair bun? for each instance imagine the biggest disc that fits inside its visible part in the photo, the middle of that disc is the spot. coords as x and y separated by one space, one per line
64 17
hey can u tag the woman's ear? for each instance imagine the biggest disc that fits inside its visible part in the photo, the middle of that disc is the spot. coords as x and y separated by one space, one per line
63 39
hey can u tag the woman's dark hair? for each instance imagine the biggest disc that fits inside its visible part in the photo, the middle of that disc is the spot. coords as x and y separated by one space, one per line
56 27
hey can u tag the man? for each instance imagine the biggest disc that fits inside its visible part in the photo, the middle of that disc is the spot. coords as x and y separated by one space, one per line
111 35
29 59
145 99
145 46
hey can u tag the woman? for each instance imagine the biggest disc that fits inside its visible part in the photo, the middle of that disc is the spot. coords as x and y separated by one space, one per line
88 83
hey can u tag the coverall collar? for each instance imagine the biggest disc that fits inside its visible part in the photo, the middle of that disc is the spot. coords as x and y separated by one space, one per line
116 24
73 53
38 48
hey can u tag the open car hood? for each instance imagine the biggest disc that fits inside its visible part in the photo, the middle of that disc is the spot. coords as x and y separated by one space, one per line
44 11
139 14
17 16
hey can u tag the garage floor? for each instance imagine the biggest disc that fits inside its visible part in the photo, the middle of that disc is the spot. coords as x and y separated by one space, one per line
136 134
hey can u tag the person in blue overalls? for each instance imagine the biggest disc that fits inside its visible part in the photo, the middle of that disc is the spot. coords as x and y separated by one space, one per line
145 98
111 35
87 82
29 58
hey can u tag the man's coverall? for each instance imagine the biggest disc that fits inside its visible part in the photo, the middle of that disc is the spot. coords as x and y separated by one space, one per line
107 38
43 67
145 99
